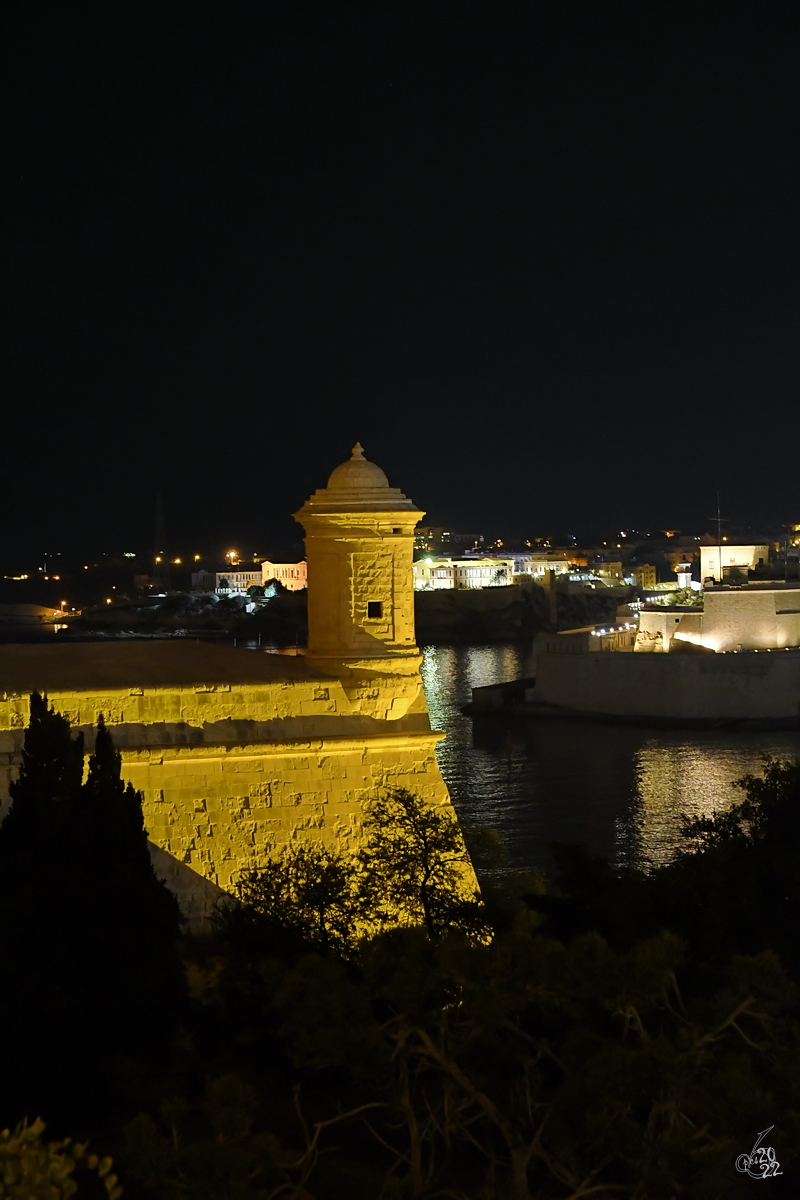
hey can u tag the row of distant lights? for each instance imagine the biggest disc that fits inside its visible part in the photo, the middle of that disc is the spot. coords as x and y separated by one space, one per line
28 576
174 560
232 555
615 629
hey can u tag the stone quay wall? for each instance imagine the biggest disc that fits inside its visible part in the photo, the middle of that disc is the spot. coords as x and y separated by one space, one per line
750 685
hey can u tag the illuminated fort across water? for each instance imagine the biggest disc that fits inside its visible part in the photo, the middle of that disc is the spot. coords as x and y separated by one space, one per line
236 751
737 662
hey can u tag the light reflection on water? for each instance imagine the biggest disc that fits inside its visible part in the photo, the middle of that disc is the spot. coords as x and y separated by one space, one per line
620 790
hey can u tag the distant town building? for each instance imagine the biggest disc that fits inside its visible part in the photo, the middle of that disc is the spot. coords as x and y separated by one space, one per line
589 581
431 574
534 563
718 562
538 564
434 574
435 539
645 575
202 581
236 580
293 576
608 569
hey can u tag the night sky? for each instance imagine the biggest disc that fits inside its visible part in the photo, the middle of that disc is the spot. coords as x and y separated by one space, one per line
542 260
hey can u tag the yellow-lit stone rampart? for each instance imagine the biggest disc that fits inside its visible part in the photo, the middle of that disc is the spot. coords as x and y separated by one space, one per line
230 769
217 812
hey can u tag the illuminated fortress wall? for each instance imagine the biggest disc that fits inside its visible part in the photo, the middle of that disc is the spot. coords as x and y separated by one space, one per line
236 750
756 617
227 768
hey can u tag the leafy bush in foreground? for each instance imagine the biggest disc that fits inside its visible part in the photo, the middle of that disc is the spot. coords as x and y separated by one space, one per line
413 868
31 1169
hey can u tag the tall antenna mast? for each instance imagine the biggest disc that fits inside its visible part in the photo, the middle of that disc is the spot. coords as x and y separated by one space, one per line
160 569
719 519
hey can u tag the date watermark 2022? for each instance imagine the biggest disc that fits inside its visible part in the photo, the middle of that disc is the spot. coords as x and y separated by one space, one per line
761 1162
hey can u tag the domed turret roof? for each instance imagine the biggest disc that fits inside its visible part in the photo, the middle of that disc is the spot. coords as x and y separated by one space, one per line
357 472
358 486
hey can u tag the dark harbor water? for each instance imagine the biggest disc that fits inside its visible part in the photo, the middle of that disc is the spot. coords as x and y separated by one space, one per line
619 790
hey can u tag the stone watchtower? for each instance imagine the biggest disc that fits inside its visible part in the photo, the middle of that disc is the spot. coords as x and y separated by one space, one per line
360 546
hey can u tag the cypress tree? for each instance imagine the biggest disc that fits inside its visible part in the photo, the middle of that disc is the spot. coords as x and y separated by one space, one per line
48 783
133 917
89 964
44 797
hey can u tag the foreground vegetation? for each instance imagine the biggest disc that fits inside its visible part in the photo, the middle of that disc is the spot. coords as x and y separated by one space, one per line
367 1028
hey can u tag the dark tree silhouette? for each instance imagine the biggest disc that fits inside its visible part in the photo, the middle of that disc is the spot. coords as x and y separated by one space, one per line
89 964
305 897
415 866
50 775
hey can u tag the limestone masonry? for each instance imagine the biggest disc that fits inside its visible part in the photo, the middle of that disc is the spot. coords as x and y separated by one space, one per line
236 751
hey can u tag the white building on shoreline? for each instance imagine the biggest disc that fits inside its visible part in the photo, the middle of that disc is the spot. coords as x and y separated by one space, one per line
433 574
237 579
479 571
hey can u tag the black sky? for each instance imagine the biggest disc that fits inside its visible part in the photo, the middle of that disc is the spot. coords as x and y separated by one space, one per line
542 260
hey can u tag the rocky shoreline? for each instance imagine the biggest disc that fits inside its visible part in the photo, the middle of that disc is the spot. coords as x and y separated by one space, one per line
516 612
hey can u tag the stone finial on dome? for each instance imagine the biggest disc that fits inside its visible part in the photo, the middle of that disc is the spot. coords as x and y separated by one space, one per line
358 451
